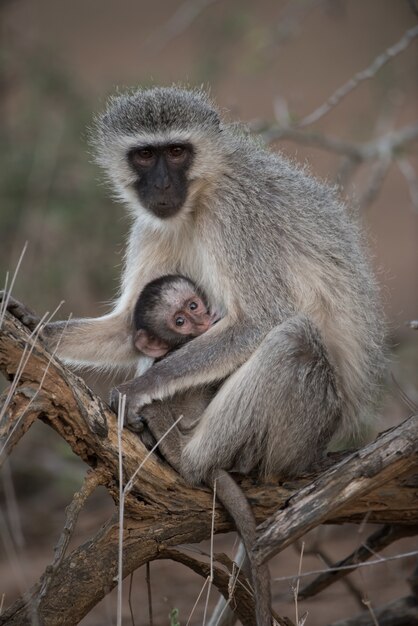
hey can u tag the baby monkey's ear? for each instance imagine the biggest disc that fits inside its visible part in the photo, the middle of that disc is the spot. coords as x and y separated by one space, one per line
150 345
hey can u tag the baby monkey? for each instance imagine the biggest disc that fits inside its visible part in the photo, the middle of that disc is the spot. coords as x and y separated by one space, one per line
169 312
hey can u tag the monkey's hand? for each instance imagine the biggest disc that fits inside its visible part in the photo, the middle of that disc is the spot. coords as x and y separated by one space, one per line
23 313
136 399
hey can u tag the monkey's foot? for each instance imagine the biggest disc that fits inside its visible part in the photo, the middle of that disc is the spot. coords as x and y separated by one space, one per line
159 427
145 434
23 313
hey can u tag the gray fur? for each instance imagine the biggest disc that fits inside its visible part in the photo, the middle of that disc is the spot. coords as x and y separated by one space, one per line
279 258
301 340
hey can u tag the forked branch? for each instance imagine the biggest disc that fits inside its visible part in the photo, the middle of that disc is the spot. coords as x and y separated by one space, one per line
161 510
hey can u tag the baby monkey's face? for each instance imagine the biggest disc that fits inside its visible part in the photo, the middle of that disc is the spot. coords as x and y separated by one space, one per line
187 313
172 315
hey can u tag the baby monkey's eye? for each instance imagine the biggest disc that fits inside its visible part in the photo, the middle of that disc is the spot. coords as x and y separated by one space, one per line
193 306
179 321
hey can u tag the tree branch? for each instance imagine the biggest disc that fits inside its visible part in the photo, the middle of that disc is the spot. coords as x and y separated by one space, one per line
161 510
375 543
358 78
393 453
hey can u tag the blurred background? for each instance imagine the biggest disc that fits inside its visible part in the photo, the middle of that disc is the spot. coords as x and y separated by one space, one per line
270 64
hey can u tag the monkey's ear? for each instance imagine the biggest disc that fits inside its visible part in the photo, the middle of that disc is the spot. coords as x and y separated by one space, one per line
150 345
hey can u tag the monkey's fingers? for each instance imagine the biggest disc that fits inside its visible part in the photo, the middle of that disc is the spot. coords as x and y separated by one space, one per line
114 402
23 313
136 423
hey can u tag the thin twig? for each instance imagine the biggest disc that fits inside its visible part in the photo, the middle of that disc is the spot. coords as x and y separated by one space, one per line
3 307
197 600
376 542
91 481
212 534
21 367
149 592
12 507
403 555
368 604
376 181
131 608
412 406
391 142
131 481
296 586
121 415
408 172
5 290
318 550
358 78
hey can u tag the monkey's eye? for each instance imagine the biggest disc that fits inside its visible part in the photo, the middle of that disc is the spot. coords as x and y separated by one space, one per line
142 156
193 306
176 152
180 321
145 153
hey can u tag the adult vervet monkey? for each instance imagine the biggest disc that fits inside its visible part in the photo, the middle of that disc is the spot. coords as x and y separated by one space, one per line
300 338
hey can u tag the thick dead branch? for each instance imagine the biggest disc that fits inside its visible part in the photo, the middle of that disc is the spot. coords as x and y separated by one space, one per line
392 454
161 511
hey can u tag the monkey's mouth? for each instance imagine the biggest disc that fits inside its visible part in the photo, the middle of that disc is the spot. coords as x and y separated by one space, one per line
164 210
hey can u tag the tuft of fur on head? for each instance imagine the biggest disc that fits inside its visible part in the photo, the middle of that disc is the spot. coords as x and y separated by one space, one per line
160 109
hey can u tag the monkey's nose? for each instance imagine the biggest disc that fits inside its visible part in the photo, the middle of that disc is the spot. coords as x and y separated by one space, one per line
162 184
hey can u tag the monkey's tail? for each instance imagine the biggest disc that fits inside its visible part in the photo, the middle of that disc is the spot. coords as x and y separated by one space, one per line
237 505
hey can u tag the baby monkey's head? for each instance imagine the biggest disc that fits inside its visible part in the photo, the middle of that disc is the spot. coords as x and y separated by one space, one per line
170 311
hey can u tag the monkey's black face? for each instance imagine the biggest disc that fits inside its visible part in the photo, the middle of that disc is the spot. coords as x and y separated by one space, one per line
162 181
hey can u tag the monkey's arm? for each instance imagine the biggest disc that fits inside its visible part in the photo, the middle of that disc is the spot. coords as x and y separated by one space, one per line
208 358
103 341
